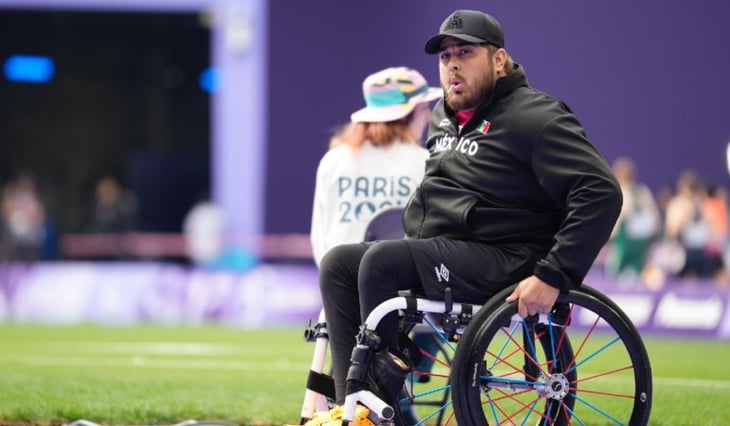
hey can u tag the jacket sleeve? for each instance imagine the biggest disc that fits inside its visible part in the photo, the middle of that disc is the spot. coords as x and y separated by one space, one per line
577 178
320 215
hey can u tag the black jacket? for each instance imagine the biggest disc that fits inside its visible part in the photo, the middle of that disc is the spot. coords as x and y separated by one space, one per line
521 172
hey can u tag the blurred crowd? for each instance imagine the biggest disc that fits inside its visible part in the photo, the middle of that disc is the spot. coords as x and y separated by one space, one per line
28 231
23 220
680 231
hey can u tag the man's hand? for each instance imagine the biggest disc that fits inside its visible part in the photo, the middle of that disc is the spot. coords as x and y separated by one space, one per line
534 296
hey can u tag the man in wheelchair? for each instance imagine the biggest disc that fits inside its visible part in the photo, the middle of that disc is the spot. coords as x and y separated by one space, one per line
513 193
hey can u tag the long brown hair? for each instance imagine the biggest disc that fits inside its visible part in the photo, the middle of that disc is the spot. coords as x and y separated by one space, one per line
379 134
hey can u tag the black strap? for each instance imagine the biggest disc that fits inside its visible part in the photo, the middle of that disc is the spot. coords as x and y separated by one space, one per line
411 304
321 383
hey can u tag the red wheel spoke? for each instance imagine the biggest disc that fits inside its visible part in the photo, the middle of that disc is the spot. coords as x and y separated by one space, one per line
526 353
582 344
595 392
617 370
500 360
564 332
435 359
525 405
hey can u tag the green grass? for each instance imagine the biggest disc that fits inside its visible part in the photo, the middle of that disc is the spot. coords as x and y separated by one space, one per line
164 375
151 375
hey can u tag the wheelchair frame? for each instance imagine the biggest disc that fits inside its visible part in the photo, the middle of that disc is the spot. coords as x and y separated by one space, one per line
553 382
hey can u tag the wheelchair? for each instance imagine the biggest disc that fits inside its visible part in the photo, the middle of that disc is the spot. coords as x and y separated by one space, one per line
582 363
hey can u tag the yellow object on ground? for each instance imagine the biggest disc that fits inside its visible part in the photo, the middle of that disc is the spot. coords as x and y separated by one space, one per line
335 416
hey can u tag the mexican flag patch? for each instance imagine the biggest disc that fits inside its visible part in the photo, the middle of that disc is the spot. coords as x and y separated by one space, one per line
484 127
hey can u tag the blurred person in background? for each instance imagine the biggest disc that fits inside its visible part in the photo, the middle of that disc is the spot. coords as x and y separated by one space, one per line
716 211
688 226
663 195
114 208
375 161
207 244
638 224
203 227
663 255
23 219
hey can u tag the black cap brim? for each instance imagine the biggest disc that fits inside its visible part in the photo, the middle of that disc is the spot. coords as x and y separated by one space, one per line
433 45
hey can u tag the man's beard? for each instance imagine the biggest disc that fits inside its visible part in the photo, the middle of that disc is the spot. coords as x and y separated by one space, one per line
464 102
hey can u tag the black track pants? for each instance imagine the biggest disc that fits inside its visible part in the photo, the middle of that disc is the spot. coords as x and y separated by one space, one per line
355 278
381 270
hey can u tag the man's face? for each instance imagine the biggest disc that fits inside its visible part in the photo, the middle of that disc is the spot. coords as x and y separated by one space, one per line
467 73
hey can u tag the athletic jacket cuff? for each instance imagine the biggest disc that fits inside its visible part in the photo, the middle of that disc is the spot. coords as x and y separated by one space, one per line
552 276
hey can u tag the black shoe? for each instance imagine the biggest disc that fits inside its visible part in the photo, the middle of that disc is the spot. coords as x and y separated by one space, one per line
388 372
386 377
383 373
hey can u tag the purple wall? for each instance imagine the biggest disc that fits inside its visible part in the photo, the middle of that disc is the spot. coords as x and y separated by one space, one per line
648 79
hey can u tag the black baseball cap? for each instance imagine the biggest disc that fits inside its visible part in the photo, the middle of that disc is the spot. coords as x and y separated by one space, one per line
469 25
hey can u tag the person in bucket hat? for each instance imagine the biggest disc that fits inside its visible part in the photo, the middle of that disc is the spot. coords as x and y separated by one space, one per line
393 93
375 161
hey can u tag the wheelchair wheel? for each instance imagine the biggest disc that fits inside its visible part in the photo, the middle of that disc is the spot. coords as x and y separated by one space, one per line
583 363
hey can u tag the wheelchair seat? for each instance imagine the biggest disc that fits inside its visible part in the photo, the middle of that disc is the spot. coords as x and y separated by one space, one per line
385 225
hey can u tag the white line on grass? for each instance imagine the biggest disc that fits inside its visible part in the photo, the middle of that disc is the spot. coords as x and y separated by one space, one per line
693 383
158 362
280 364
171 348
668 381
155 348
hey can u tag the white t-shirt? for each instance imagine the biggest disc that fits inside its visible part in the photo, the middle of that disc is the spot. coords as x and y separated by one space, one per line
353 185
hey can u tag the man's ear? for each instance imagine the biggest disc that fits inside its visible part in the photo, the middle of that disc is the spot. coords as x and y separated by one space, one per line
500 59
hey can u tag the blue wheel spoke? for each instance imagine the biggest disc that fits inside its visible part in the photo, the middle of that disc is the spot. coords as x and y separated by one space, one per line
598 410
530 411
435 412
531 351
594 354
439 334
552 342
498 355
508 381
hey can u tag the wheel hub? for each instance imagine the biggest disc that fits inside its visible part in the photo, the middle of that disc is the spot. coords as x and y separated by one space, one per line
557 386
